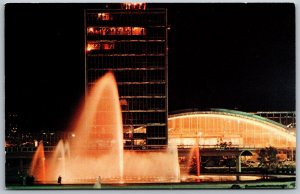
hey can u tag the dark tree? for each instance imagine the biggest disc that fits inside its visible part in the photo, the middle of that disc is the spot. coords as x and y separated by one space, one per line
229 162
268 159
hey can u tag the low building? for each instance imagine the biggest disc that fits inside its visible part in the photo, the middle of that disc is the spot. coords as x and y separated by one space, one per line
227 127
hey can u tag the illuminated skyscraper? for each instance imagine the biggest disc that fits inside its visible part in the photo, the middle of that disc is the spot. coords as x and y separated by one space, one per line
131 41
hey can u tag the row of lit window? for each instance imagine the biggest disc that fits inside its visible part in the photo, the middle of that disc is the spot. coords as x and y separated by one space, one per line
100 46
116 31
132 18
251 132
208 141
136 142
134 6
129 48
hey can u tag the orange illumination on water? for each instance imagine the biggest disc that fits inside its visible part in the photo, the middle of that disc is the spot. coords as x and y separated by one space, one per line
37 167
97 148
194 157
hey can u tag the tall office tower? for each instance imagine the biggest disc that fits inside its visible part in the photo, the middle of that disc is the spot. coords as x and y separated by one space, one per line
131 41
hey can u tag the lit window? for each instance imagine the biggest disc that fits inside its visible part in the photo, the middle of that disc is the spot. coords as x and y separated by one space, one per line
100 46
138 31
138 6
93 46
90 30
123 31
108 46
104 16
126 31
103 31
113 31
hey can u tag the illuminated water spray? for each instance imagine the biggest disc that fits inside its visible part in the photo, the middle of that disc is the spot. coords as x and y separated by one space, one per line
194 159
96 146
37 167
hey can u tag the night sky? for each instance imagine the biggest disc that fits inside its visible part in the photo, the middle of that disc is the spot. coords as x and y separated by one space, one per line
234 56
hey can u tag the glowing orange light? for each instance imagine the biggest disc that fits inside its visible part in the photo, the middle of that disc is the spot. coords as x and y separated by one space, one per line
90 30
88 156
92 46
241 131
37 166
89 48
135 5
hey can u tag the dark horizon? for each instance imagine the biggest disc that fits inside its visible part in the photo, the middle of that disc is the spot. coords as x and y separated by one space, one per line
235 56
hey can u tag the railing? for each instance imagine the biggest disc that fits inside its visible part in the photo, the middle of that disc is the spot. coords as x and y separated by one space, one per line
220 147
140 147
52 148
28 149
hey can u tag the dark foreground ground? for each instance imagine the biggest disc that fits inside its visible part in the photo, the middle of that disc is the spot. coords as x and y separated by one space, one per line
262 184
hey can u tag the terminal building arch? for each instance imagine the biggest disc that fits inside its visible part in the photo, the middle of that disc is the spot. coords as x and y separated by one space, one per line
238 129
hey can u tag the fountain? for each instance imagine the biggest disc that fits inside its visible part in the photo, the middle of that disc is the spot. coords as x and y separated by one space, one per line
194 160
37 167
57 161
96 148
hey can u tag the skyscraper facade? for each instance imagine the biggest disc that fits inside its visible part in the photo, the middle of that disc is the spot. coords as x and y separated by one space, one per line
131 41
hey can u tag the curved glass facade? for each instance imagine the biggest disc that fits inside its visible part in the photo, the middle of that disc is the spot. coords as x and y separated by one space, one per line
236 128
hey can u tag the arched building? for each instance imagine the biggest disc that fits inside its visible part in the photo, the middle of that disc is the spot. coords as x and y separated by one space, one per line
237 129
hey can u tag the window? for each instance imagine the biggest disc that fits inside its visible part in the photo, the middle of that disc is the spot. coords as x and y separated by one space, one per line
138 31
138 6
104 16
93 46
108 46
116 31
100 46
